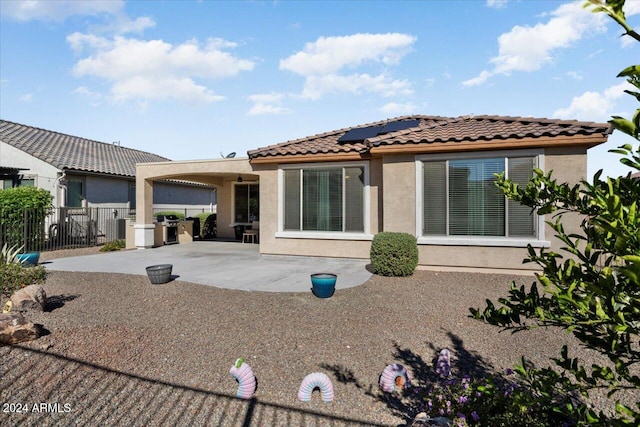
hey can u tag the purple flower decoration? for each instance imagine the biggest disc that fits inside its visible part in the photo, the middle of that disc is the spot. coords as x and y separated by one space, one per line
443 366
475 416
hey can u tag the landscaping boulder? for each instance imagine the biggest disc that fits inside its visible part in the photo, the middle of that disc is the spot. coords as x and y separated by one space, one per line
14 328
32 297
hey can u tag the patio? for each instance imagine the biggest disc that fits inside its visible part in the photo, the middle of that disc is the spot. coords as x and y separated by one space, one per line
228 265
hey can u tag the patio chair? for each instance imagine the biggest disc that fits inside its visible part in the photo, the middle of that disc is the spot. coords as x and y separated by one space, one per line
252 235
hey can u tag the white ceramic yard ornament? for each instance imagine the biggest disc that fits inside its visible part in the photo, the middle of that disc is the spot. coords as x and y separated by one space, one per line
243 373
394 375
313 381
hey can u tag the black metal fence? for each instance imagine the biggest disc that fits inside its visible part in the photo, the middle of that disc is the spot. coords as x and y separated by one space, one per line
60 228
38 230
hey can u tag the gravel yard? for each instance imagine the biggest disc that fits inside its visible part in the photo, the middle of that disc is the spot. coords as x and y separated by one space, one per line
120 351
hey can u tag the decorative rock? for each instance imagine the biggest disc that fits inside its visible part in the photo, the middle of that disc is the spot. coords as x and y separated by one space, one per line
32 297
423 420
14 328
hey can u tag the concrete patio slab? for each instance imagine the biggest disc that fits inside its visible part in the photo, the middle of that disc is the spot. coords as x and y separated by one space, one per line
223 264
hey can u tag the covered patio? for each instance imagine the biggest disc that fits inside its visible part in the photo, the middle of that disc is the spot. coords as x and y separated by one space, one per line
236 186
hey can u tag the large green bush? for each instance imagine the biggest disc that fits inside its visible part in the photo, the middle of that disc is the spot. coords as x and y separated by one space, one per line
394 254
591 287
207 224
17 228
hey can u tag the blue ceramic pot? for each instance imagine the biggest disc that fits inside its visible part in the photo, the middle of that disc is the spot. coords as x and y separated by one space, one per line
323 285
29 258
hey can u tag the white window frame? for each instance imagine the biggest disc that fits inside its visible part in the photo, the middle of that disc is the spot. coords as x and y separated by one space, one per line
329 235
539 225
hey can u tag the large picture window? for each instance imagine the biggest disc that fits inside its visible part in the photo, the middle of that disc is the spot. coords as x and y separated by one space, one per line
460 198
324 199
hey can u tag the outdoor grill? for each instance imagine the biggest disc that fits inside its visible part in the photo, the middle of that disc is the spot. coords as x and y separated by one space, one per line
169 228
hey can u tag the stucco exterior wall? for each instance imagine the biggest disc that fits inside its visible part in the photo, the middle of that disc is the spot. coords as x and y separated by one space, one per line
569 165
393 208
399 188
270 244
45 174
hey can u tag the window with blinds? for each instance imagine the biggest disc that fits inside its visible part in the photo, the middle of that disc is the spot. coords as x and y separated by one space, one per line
461 199
324 199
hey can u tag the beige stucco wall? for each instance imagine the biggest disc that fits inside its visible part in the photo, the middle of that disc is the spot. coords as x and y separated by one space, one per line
393 208
392 196
270 244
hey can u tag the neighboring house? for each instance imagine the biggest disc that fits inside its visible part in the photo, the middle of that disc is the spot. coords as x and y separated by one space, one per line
81 172
432 177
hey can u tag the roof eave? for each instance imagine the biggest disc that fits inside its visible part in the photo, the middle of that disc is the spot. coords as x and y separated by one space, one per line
587 141
310 158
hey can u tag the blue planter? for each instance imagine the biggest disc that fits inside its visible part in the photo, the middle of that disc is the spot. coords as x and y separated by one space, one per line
323 285
29 258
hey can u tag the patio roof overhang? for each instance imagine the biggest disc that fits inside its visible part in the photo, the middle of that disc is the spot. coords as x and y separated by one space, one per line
215 172
211 172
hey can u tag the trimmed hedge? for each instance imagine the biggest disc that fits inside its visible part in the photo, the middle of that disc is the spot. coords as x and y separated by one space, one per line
180 215
13 229
394 254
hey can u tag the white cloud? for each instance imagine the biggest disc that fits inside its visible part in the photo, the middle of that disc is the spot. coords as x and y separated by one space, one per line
594 106
631 7
574 75
329 54
59 10
398 108
25 98
479 79
154 69
529 48
498 4
268 103
317 86
95 98
323 64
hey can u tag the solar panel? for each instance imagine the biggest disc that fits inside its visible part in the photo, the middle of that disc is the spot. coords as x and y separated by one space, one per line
399 125
360 134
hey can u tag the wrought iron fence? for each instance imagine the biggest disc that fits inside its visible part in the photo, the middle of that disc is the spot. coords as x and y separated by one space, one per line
59 228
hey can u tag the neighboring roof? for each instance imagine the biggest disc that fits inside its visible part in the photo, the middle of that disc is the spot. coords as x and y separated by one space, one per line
74 153
430 130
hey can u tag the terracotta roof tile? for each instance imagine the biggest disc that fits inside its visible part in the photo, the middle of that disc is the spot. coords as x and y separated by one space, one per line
75 153
436 129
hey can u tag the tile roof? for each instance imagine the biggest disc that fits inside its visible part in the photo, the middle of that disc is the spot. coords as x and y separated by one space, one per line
75 153
436 129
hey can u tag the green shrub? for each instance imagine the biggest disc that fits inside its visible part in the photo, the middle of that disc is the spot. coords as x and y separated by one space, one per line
394 254
14 276
13 203
114 245
180 215
207 224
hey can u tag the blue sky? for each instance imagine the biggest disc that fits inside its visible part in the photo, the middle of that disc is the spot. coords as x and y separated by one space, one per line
191 80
